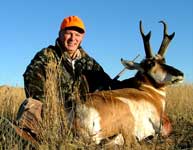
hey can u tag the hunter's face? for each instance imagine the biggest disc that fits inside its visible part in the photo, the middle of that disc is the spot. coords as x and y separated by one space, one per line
70 40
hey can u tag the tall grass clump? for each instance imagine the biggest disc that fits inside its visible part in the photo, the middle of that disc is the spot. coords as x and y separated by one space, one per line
55 131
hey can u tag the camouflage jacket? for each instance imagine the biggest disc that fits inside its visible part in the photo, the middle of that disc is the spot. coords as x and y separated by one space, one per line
50 68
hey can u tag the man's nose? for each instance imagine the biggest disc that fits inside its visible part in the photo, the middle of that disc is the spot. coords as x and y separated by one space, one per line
72 37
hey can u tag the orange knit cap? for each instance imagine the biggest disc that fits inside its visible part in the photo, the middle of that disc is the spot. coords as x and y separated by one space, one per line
72 21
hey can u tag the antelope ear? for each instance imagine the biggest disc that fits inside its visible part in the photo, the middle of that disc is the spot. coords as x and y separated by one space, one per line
131 65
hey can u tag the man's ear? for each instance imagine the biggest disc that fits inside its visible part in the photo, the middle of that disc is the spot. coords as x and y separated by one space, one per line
60 33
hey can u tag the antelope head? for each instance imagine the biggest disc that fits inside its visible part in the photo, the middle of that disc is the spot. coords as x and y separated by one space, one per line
154 67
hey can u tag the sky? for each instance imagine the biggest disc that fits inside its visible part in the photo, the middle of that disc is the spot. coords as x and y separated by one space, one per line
112 32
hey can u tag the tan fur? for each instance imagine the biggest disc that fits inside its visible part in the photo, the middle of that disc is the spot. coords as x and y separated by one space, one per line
114 115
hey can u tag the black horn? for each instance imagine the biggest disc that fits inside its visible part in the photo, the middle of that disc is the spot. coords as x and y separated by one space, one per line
166 40
146 42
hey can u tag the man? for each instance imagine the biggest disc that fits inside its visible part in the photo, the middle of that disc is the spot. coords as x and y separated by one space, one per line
78 71
64 68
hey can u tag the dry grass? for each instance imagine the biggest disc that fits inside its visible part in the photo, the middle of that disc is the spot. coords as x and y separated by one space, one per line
10 100
180 110
54 129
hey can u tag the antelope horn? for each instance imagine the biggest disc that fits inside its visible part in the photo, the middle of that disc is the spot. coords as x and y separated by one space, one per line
166 40
146 43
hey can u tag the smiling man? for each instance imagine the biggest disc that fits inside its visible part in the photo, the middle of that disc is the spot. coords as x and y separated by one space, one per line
77 71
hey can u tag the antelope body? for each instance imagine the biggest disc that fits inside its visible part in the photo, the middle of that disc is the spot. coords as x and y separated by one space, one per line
131 111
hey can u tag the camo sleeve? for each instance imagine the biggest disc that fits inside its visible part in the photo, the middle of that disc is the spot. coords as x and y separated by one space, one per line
97 78
35 75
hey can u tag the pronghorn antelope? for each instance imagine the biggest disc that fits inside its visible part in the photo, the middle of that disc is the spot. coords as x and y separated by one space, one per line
131 111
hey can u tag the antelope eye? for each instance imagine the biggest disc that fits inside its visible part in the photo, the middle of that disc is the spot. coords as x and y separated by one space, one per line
150 64
163 61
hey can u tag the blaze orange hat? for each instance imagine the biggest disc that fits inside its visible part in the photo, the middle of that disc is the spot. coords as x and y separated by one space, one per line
73 22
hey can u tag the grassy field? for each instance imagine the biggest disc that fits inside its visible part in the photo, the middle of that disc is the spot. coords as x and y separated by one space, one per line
179 109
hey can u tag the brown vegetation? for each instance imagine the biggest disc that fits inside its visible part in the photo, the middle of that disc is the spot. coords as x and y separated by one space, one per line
55 133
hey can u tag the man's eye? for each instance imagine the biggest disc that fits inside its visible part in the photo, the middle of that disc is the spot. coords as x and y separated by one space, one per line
67 33
77 35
